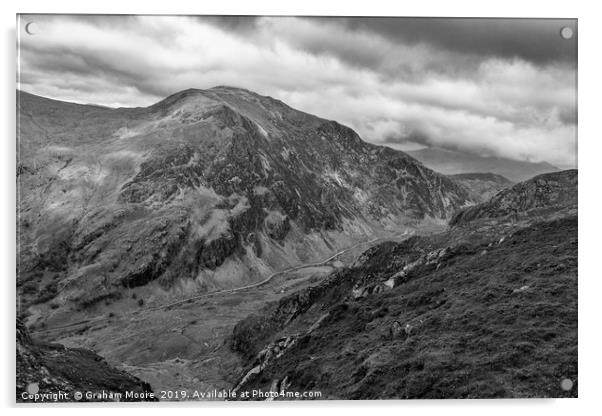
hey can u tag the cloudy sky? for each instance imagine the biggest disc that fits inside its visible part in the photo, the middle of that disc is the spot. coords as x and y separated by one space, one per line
491 87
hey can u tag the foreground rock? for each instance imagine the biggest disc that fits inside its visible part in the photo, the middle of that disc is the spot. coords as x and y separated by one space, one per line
46 369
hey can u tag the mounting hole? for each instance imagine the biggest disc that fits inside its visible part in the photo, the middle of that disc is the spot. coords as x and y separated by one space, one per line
31 28
33 388
566 384
566 32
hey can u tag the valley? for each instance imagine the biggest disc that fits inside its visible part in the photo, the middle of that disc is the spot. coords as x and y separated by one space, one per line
181 346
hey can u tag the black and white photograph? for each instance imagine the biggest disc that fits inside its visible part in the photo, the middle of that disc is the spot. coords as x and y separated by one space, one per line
295 208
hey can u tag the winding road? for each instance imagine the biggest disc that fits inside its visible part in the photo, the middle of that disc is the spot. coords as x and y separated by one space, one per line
224 291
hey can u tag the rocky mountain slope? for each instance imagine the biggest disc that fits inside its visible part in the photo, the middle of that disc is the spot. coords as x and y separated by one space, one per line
557 191
206 189
482 186
454 162
45 369
486 309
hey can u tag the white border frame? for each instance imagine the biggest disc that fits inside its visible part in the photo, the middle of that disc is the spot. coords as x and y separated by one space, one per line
590 153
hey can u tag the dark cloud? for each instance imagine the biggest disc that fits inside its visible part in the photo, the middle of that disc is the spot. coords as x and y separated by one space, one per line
466 41
232 23
535 40
420 139
505 88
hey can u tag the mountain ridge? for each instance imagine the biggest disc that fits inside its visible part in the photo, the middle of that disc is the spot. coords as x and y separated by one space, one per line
557 189
203 190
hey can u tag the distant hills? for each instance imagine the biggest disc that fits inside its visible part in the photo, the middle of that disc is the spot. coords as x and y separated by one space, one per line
453 162
482 186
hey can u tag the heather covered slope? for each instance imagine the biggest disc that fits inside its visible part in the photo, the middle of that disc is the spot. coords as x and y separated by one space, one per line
486 309
206 189
484 320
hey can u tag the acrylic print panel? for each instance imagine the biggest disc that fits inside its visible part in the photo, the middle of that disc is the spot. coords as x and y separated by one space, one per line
295 208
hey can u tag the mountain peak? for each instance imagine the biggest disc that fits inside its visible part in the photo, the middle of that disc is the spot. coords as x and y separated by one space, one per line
231 88
217 91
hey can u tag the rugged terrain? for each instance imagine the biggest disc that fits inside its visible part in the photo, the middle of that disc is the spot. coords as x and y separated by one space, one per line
485 309
205 190
454 162
482 186
46 369
556 192
218 238
146 234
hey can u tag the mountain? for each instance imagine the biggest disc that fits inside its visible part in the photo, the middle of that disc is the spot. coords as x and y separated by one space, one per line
551 190
454 162
482 186
486 309
47 369
204 190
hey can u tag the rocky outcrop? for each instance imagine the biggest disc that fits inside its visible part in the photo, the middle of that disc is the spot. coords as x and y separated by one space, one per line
270 353
548 191
47 369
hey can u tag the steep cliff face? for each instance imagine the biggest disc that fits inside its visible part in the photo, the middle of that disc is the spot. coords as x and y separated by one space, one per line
486 309
203 181
47 369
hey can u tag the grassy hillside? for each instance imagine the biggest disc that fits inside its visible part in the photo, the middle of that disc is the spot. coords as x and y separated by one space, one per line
490 317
